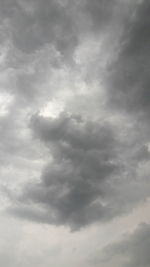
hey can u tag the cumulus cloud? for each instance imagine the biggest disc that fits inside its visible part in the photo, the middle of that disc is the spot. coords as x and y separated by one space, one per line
83 157
74 132
82 183
90 56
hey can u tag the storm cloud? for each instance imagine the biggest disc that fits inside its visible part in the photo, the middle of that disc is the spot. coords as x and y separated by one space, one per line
94 158
82 183
128 77
74 131
83 157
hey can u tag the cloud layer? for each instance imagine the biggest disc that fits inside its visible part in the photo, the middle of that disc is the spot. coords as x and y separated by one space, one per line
93 58
90 162
132 250
129 74
85 180
74 133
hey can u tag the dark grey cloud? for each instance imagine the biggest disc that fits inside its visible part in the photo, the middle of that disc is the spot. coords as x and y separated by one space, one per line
92 174
63 24
142 154
100 12
83 157
40 37
132 250
85 180
36 32
34 23
128 76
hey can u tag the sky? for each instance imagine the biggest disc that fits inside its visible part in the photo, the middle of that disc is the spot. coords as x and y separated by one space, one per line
74 133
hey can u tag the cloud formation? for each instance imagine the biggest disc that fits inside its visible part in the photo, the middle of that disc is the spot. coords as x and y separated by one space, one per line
128 77
82 183
74 133
35 23
132 250
84 156
91 57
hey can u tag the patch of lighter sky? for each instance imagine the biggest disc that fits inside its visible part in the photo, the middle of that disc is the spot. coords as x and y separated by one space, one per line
52 108
73 87
58 246
3 54
5 102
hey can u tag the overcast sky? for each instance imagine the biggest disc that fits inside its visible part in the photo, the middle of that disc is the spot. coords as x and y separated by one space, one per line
74 133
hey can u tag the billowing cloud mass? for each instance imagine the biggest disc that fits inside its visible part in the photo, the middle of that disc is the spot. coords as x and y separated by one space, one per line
81 184
84 158
74 127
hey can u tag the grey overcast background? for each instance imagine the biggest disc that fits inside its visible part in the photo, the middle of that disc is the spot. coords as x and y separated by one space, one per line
74 133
